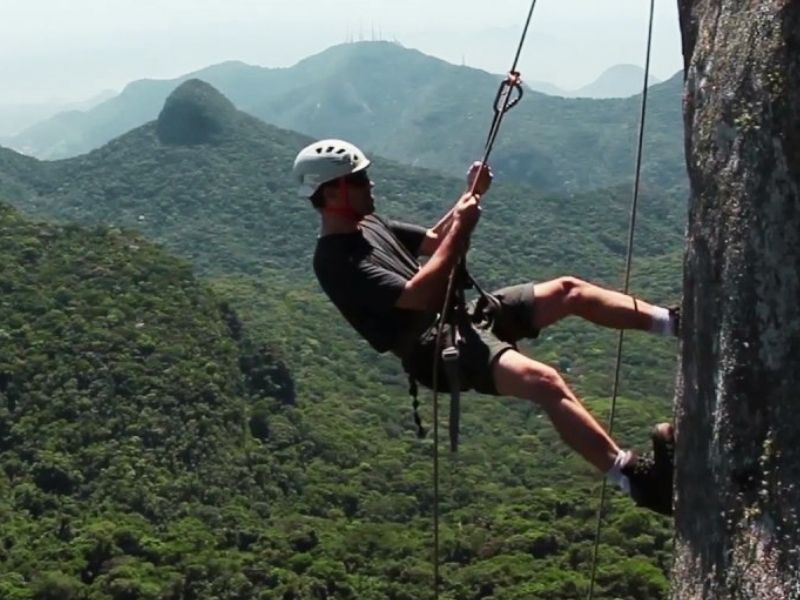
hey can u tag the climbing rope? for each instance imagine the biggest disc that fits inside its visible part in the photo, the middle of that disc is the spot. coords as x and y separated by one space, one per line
503 103
628 263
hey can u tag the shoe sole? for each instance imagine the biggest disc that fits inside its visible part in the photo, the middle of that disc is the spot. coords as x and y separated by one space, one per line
663 438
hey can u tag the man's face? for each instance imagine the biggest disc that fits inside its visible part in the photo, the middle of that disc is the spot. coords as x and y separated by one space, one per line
359 193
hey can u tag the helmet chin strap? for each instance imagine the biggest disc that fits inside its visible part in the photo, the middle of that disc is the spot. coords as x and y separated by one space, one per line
347 210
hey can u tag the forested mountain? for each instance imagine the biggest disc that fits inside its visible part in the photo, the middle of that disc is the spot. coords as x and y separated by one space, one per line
329 496
419 110
150 449
128 394
228 200
228 205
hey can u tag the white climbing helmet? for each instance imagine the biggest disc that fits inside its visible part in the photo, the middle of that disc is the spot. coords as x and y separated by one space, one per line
325 161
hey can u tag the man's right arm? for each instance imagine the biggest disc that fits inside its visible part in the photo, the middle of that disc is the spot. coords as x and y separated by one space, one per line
426 290
479 178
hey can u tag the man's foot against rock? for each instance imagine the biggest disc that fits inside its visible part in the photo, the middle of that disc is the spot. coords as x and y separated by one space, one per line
650 474
675 319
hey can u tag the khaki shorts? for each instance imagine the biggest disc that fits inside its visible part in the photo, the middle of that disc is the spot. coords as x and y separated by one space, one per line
495 325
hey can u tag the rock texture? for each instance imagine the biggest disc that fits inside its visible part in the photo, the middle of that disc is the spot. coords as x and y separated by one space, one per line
738 402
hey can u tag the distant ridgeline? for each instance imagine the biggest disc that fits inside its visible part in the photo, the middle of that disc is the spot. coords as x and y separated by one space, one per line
419 110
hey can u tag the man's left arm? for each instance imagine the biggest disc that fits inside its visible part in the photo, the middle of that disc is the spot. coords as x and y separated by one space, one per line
435 235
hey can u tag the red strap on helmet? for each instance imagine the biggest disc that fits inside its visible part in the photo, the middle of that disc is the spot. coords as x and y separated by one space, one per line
346 210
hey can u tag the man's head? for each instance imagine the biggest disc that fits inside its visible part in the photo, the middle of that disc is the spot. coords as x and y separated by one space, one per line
332 174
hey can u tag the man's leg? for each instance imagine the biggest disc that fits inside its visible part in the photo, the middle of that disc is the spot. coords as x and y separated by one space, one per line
565 296
517 375
648 479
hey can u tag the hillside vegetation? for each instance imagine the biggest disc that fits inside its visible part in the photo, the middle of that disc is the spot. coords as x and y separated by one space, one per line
148 451
131 407
309 486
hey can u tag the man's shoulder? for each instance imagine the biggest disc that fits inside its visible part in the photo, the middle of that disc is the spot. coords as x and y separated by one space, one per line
334 253
328 248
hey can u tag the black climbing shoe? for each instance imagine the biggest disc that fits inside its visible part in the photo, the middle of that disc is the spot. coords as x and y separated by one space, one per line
650 474
675 319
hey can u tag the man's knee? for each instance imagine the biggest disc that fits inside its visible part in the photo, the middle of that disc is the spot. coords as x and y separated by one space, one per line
545 385
561 292
572 290
518 375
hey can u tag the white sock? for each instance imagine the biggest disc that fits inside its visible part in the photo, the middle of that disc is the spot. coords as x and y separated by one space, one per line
662 321
615 472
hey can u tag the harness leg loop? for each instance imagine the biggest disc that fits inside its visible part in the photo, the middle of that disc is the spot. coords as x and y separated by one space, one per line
450 356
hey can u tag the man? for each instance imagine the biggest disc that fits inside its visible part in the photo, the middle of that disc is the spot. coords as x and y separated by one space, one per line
369 269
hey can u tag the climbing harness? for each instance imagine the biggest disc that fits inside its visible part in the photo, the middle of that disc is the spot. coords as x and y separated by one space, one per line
458 318
628 264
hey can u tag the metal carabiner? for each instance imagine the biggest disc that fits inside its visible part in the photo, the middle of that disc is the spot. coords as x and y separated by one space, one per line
511 82
502 104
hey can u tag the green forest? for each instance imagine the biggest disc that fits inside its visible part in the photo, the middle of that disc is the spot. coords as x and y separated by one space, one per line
183 415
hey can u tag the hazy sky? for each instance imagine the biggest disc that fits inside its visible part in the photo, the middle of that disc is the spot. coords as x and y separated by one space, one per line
73 49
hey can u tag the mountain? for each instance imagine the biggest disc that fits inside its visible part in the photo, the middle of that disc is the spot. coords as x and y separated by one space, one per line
227 204
15 118
198 174
416 109
147 451
619 81
328 495
205 172
75 132
132 413
543 87
196 113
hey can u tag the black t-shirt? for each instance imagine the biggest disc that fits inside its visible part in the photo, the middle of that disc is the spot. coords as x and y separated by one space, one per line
364 273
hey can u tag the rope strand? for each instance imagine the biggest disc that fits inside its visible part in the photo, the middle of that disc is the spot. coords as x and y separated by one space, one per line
626 286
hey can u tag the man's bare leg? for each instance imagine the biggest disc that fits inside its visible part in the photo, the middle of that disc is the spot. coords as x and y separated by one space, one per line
567 296
647 479
517 375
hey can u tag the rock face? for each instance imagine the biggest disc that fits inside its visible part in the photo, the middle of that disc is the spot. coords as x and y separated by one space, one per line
196 113
738 418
